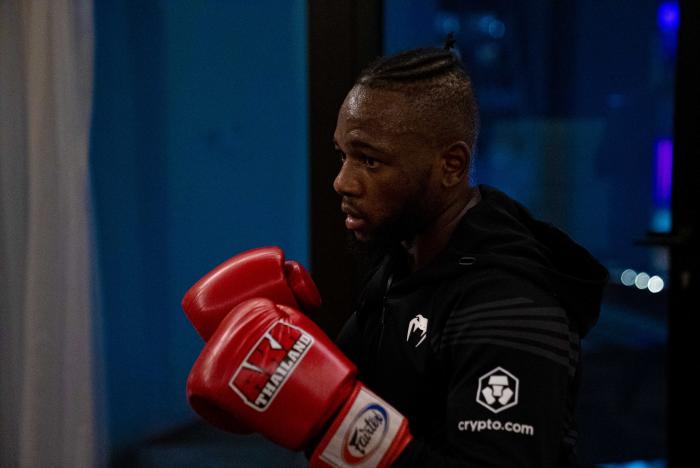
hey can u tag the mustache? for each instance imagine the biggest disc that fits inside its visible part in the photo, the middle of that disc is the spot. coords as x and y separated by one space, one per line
350 209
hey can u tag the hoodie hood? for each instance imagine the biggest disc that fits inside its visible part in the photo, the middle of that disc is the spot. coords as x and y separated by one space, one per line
500 232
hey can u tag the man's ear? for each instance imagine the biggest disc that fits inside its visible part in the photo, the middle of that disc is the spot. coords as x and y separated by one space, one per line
456 160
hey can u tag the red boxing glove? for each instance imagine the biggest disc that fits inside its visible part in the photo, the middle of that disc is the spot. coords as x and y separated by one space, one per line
269 369
260 272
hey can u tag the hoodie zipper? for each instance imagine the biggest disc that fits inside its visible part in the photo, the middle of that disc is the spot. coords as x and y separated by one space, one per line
382 316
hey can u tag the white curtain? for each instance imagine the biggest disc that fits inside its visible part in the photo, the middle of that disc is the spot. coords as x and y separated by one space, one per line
47 409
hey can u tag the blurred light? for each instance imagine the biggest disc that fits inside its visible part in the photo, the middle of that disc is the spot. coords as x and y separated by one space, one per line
485 22
616 100
656 284
661 220
627 277
636 464
664 171
497 29
663 179
641 280
668 16
447 22
491 25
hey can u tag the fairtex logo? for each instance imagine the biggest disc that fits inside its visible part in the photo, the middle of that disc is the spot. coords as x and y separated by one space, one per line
365 433
269 364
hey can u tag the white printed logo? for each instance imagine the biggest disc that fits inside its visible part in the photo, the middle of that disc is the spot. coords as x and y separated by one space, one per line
366 433
498 390
417 324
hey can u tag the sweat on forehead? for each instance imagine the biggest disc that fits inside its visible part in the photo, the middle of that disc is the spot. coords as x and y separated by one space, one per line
432 114
392 111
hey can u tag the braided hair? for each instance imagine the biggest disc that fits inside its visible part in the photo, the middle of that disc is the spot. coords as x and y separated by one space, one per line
438 87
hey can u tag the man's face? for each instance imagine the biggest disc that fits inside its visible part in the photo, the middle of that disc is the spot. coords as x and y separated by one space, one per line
387 179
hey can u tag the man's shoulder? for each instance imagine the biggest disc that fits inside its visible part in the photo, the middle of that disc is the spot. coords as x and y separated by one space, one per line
495 294
494 283
502 309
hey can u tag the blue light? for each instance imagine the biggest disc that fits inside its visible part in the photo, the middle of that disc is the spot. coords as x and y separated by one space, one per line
636 464
661 220
497 29
668 16
663 180
446 22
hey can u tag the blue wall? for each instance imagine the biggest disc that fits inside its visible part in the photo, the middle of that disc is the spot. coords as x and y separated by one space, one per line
198 151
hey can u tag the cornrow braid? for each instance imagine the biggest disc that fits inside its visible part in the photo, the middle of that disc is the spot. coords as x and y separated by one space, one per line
438 86
412 65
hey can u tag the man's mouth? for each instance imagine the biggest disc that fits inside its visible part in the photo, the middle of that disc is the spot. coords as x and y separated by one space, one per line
354 224
353 218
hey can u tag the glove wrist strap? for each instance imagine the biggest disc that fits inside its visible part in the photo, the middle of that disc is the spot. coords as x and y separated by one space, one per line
367 432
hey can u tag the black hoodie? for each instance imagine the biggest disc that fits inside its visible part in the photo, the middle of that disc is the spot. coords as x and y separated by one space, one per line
480 348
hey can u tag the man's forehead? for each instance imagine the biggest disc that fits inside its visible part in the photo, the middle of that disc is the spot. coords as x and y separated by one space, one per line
363 102
373 132
360 139
368 112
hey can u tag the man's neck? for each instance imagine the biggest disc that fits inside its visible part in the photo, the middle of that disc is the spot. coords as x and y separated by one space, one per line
428 244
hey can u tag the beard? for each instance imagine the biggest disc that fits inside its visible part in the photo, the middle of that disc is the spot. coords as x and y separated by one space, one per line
413 216
401 228
375 247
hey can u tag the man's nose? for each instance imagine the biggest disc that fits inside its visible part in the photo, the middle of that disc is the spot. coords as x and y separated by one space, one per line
346 182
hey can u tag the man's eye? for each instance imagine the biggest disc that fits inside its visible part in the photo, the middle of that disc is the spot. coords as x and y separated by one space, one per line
369 162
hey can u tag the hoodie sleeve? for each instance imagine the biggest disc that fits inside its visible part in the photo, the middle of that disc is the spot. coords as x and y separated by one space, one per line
510 370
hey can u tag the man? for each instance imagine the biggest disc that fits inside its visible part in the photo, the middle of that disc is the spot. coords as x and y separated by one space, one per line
469 324
463 349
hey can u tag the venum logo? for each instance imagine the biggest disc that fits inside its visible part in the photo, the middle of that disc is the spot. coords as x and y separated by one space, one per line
269 364
498 390
418 326
365 434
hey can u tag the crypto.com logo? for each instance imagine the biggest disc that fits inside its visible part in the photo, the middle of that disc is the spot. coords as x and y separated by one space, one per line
498 390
